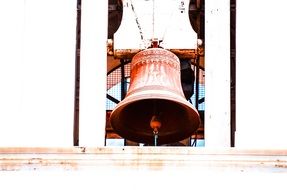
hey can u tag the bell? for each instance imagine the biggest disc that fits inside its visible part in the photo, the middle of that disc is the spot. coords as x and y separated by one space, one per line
155 102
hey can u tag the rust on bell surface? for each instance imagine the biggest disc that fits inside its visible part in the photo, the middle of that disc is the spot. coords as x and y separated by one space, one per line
155 89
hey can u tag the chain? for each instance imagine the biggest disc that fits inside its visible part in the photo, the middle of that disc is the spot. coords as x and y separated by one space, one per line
137 21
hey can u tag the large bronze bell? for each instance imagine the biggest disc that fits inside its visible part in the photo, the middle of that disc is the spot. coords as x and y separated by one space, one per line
155 102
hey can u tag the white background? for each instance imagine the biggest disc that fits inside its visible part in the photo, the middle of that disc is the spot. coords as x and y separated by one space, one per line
37 60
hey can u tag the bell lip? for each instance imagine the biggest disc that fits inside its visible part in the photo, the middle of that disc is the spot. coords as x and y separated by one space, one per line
194 114
135 97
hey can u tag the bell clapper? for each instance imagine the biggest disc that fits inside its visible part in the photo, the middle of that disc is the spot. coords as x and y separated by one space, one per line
155 134
155 124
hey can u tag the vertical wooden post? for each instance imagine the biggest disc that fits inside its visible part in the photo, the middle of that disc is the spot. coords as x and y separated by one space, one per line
77 76
217 73
94 26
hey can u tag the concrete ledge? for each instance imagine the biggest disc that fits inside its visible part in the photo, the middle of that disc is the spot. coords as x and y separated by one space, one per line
147 158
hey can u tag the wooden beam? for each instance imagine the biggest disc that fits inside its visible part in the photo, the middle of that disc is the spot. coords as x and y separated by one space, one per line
151 158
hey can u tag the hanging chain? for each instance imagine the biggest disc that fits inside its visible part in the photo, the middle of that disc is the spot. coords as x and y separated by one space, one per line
137 21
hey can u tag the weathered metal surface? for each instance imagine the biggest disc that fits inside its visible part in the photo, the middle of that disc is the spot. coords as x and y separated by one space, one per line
150 158
155 89
125 53
184 53
115 55
180 53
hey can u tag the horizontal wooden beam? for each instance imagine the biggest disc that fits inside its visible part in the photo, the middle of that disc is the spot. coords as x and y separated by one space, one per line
151 158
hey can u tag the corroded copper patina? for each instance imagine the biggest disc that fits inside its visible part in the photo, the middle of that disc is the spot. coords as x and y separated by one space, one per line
155 90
